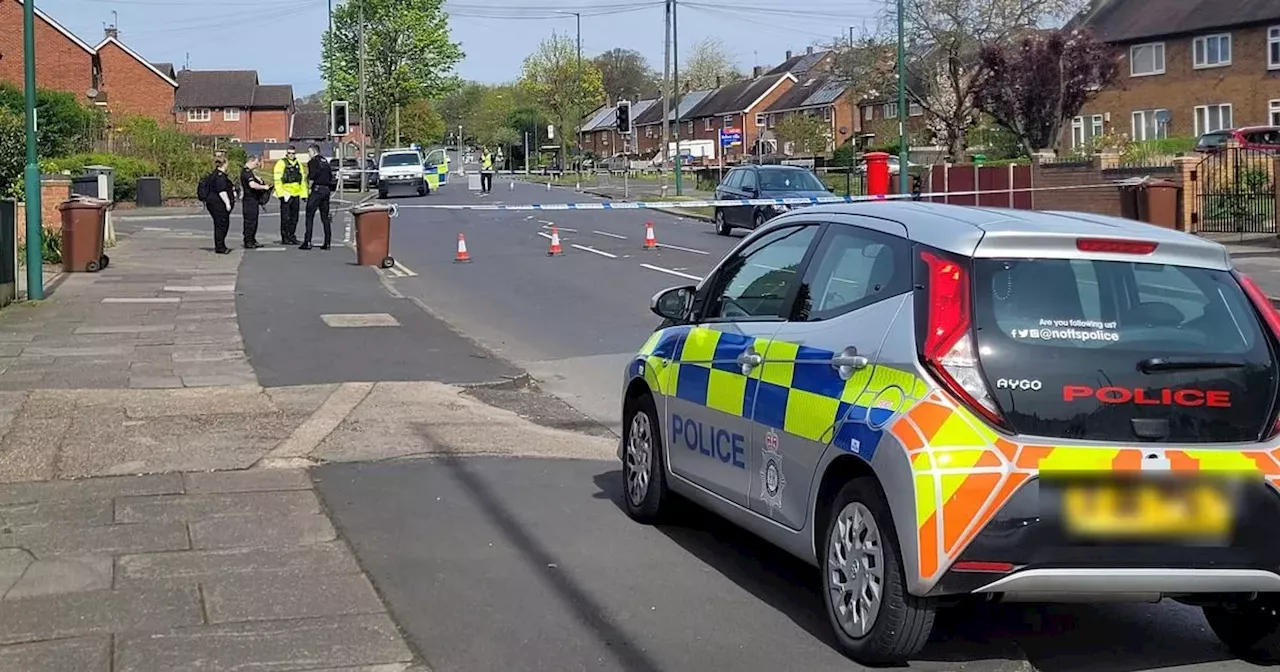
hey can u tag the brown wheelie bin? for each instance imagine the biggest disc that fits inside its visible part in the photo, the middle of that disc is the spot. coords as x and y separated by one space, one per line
373 235
84 224
1158 203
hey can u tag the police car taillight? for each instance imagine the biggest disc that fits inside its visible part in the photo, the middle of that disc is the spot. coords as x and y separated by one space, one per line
948 349
1267 311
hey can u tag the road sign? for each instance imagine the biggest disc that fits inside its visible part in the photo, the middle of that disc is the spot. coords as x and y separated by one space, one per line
551 132
730 137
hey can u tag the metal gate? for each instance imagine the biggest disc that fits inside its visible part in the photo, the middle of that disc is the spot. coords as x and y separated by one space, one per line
1236 192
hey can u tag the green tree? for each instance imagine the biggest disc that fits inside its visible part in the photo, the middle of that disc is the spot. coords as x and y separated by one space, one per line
564 91
807 134
420 123
457 106
65 125
625 74
13 153
709 64
409 55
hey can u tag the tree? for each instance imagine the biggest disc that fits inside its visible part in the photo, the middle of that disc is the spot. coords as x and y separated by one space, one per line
409 55
458 106
807 134
945 41
1034 87
708 65
65 126
625 74
420 123
13 153
563 91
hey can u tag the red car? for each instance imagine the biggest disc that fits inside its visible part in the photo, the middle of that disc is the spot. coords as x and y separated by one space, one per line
1265 138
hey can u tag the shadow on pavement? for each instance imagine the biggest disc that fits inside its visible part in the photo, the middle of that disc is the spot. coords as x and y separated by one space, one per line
1051 637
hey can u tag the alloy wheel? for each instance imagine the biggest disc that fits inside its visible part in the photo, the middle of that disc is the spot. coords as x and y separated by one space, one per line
855 570
639 457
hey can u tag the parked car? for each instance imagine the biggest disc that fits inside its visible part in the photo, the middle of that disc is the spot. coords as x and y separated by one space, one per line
349 173
1265 138
762 182
401 169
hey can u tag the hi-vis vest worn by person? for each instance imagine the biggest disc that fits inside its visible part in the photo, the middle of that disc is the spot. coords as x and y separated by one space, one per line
285 174
486 162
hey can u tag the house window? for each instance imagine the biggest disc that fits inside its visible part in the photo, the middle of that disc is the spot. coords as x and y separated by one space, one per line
1275 113
648 131
690 128
1210 118
272 140
1077 132
199 114
727 121
773 119
826 114
890 110
231 114
1273 48
1146 59
1146 125
1095 126
868 113
915 110
1084 129
1212 51
706 124
759 120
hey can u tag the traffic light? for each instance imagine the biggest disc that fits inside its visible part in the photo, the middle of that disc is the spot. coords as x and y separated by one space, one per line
338 118
624 117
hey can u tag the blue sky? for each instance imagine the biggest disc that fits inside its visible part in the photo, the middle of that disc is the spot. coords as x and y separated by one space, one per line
281 38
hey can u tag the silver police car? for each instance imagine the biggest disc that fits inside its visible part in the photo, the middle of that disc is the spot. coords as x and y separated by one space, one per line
929 402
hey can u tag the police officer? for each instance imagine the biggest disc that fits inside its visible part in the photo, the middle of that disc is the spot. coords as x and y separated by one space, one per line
256 194
320 183
219 199
486 172
291 186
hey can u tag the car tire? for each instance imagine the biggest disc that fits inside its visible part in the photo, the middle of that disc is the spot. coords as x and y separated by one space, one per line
382 194
644 480
722 227
422 191
759 220
900 623
1250 630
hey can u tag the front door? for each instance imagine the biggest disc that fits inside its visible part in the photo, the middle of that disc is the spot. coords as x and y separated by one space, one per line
718 368
814 387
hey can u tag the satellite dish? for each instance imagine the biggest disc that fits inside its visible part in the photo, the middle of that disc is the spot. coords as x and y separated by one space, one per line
1163 116
92 93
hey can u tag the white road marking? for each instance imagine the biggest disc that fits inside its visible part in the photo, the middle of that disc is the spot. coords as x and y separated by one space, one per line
206 288
360 320
559 228
682 249
671 272
593 250
611 235
545 222
404 270
544 234
269 248
172 299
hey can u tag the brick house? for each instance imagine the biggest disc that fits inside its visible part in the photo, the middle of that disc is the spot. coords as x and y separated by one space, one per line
132 86
67 63
809 63
1193 67
824 97
600 134
232 104
648 124
878 118
739 105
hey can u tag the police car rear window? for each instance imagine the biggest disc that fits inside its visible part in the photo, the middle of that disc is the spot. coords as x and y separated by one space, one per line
1108 305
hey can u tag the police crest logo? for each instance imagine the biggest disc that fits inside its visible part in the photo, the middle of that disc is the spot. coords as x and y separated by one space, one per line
772 480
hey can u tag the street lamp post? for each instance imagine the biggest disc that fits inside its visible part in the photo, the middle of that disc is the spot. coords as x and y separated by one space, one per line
577 99
904 152
31 181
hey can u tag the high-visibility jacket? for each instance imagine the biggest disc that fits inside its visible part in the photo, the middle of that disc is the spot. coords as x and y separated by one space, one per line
298 189
486 162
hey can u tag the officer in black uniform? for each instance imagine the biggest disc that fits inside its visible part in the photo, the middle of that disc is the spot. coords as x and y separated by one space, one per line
256 195
320 183
219 200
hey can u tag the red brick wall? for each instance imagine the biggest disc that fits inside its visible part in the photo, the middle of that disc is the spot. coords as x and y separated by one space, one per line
269 124
53 191
217 124
63 66
132 88
1100 201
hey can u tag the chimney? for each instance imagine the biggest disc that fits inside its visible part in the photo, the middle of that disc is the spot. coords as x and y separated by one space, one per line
788 54
111 31
809 51
756 71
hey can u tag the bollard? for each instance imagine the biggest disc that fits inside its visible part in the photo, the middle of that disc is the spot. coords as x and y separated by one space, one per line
877 174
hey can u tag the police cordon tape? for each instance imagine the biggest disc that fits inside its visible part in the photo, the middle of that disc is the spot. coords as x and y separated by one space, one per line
724 203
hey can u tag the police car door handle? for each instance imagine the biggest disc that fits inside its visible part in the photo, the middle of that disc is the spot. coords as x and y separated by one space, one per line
749 360
849 361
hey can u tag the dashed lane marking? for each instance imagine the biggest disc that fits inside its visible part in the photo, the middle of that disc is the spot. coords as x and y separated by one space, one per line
668 271
682 249
349 320
200 288
549 225
593 250
172 299
611 235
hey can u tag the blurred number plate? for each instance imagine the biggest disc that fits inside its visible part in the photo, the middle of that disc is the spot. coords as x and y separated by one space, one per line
1148 510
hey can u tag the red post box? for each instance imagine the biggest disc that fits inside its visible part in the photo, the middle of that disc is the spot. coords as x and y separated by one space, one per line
877 174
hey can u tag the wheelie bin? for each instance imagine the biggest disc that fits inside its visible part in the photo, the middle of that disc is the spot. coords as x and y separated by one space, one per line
84 224
373 235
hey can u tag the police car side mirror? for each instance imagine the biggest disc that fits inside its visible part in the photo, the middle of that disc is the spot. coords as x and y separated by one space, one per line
673 304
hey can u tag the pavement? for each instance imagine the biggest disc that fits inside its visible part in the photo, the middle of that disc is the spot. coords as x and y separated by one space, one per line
156 512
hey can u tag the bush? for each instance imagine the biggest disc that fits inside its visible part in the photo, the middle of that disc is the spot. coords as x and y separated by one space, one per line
127 170
13 152
65 125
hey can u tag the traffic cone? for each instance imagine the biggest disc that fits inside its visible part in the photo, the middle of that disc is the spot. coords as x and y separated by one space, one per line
650 240
555 249
548 185
462 256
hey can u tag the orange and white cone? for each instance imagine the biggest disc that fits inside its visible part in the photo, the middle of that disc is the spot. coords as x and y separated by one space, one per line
555 249
650 240
462 256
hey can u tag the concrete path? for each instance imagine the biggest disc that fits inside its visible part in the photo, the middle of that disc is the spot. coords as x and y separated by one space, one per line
155 513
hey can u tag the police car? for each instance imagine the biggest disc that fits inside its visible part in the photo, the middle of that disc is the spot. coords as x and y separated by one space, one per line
929 402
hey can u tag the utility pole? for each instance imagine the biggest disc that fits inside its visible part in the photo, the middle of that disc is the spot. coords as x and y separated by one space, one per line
578 100
904 152
853 117
675 69
666 93
526 152
364 126
397 124
31 177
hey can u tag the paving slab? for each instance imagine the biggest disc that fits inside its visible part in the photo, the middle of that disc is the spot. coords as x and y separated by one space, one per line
96 488
48 540
252 480
203 506
204 565
81 654
254 531
257 597
84 513
75 614
57 575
